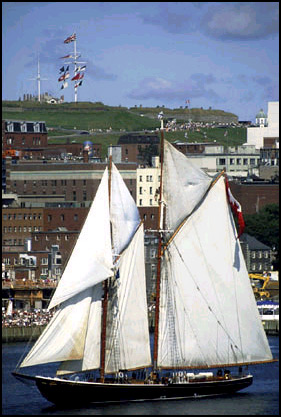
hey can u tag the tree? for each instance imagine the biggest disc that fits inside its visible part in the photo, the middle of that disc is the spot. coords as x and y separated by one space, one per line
264 226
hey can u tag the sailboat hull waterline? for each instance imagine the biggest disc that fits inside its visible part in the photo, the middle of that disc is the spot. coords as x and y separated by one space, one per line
68 393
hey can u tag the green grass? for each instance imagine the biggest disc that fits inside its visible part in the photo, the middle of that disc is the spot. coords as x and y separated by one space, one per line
86 116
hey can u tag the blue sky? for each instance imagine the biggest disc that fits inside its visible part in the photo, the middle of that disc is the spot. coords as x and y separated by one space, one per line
222 55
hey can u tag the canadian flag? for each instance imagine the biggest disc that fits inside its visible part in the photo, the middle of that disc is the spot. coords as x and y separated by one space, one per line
236 208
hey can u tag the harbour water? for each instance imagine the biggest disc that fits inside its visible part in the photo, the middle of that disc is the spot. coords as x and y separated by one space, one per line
262 398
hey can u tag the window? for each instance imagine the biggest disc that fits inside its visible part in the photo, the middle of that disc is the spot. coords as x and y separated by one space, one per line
232 161
221 161
140 190
44 261
150 190
150 202
76 217
62 217
253 255
140 178
252 161
140 202
245 161
49 218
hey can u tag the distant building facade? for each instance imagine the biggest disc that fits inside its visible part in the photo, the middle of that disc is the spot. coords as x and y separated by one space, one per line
268 127
139 148
258 256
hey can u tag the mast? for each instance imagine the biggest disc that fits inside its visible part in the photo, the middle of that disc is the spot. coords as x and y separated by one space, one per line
160 226
105 295
38 79
75 67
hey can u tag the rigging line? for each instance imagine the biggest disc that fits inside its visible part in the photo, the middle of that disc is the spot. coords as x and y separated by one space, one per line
235 281
186 312
204 298
171 314
194 209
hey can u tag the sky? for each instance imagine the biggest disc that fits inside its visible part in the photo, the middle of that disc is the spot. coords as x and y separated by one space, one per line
223 55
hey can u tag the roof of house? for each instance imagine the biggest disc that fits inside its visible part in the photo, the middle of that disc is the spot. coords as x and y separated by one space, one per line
253 243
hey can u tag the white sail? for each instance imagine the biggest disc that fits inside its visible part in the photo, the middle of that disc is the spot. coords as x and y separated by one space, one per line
124 213
183 185
127 342
128 345
208 313
65 337
91 258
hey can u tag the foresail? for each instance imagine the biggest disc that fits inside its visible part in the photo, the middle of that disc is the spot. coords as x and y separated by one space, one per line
208 313
65 336
128 345
92 346
184 185
91 258
123 212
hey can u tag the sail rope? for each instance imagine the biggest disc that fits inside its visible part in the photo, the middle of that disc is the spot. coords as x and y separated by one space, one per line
223 327
235 281
171 317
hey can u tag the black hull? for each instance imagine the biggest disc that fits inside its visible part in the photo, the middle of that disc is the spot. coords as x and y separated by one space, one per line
67 393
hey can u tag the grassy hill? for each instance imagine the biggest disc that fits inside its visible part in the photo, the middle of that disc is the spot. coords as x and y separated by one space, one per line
109 123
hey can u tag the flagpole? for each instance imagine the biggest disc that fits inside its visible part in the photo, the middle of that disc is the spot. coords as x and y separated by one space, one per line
75 67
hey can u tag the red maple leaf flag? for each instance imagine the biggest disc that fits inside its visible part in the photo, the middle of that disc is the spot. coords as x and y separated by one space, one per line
235 207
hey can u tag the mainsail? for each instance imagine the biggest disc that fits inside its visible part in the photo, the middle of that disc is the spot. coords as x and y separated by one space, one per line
73 336
208 314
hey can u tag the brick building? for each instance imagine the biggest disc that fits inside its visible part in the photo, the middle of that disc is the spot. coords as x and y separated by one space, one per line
25 136
139 148
253 195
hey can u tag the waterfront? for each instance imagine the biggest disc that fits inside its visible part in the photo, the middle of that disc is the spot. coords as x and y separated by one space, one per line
262 398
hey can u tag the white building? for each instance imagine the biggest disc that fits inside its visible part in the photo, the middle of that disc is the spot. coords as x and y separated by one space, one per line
270 130
237 161
148 183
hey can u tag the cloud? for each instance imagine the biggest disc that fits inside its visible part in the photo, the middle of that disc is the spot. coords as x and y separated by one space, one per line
162 89
224 21
241 20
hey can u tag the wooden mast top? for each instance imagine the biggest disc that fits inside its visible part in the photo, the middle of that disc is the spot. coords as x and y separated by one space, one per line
158 279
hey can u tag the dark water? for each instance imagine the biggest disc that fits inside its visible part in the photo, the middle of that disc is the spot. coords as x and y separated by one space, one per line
262 398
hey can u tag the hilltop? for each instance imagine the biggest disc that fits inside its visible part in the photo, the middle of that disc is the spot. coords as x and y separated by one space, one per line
108 123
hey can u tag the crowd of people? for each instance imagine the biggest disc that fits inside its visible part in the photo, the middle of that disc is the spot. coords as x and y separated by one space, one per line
24 318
